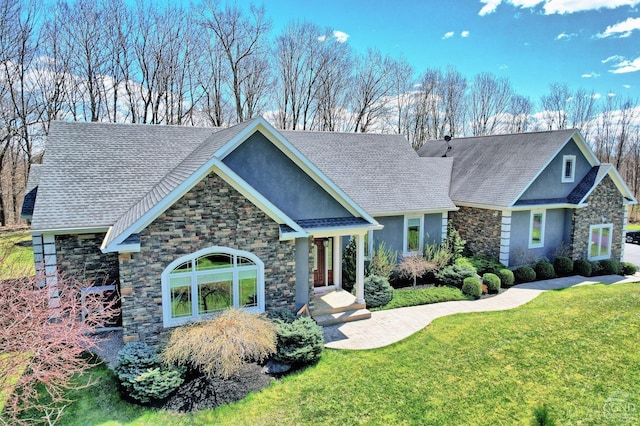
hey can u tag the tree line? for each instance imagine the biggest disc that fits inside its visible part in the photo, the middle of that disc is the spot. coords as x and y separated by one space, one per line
217 64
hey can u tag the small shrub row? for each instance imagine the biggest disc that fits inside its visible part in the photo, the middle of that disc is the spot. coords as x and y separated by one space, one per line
422 296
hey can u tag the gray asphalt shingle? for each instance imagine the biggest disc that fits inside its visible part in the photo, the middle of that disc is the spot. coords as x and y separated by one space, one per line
495 170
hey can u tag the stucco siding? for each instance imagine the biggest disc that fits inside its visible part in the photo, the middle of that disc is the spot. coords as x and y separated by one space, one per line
391 234
548 185
556 235
432 228
281 181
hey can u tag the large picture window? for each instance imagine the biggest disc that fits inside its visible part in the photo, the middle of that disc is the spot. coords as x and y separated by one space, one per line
209 281
600 241
536 229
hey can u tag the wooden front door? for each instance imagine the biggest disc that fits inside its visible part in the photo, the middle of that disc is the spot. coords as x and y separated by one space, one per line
322 262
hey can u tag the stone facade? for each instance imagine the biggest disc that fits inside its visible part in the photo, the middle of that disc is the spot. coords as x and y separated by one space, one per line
605 205
212 213
481 229
80 256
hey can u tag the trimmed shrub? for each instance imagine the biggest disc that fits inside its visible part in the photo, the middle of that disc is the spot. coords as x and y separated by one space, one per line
563 266
142 375
281 315
486 264
582 267
300 342
471 287
544 270
454 275
506 277
610 267
377 291
629 268
524 274
349 266
492 281
596 268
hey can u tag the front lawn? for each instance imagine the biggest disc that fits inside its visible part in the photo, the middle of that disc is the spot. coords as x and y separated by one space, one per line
574 350
16 254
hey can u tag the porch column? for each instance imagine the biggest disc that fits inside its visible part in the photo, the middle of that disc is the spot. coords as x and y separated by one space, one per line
337 262
360 269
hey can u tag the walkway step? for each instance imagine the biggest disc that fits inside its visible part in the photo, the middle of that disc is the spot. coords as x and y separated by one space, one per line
342 317
319 310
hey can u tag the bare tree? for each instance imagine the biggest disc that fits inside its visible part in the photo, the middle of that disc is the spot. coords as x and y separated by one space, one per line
489 101
401 92
616 127
243 39
519 114
563 108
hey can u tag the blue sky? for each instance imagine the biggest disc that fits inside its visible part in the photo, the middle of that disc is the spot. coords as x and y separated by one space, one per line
593 44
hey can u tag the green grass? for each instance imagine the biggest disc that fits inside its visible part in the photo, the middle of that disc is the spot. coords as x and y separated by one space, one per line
15 260
567 350
633 227
422 296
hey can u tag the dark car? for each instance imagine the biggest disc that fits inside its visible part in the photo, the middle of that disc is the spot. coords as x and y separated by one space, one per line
633 237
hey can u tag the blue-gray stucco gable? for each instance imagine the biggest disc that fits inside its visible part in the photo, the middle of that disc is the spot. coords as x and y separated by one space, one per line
548 185
274 175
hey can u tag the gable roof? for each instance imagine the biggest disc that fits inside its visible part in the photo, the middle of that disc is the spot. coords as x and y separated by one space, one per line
92 173
495 170
30 191
380 172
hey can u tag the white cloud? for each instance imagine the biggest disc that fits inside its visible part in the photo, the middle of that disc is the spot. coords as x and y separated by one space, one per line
560 7
597 96
448 35
621 29
489 6
464 34
503 66
611 94
613 58
565 36
590 75
340 36
322 38
624 66
626 86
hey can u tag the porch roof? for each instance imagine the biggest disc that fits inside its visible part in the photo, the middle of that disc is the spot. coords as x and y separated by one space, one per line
338 225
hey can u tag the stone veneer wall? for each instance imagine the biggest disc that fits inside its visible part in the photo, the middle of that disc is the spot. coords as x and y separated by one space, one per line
212 213
79 255
480 228
605 201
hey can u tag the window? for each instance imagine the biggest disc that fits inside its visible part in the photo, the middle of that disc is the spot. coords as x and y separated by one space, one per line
568 168
600 241
413 237
536 229
209 281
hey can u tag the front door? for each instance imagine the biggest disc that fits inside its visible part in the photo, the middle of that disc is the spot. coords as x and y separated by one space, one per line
322 262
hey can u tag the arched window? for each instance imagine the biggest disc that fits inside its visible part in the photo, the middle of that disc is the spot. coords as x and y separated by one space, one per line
208 281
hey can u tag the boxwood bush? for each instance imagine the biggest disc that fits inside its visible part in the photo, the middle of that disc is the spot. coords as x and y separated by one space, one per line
506 277
524 274
582 267
300 342
471 287
454 275
629 268
563 266
544 270
610 267
377 291
142 375
596 268
492 281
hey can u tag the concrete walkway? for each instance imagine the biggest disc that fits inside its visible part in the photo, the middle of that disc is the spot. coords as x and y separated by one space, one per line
387 327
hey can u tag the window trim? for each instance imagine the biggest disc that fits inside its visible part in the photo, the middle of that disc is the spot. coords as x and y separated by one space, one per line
542 228
168 321
568 159
405 236
600 226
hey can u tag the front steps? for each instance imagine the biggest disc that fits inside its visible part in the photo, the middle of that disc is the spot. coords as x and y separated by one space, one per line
337 307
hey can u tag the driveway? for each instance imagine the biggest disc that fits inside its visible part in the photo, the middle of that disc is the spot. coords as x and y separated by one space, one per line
632 253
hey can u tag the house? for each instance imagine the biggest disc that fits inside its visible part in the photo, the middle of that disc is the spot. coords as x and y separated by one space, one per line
532 195
183 222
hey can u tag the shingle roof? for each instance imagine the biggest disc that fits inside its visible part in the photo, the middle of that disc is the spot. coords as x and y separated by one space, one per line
337 222
94 172
495 170
381 173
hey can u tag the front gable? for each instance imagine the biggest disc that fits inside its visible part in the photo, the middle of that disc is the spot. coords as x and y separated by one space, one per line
273 174
550 183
